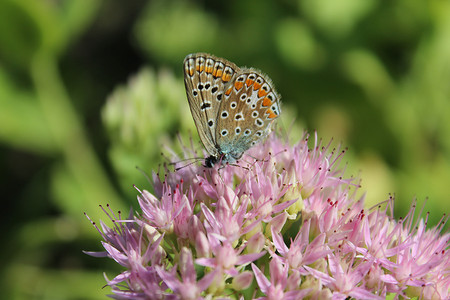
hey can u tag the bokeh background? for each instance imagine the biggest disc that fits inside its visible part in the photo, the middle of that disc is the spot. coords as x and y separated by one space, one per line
90 89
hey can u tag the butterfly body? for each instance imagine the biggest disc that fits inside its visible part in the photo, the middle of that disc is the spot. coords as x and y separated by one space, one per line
233 108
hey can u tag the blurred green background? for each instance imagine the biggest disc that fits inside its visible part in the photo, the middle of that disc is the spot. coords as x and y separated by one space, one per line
91 89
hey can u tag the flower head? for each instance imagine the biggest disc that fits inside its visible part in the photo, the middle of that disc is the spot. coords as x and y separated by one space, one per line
288 219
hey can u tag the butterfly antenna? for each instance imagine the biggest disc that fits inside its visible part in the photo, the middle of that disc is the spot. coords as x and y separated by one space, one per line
184 160
195 160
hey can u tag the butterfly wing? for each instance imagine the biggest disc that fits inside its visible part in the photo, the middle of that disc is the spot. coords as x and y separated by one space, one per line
205 78
247 112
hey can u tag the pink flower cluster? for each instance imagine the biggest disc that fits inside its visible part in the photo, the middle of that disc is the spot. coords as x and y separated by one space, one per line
286 226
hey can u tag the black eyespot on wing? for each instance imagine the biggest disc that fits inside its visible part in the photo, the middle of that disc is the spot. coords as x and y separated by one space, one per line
214 89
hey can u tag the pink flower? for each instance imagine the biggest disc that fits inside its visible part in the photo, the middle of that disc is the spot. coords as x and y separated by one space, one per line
226 258
276 288
301 252
187 287
288 219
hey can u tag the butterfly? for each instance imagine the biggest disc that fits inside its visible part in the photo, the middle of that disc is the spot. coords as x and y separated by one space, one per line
233 108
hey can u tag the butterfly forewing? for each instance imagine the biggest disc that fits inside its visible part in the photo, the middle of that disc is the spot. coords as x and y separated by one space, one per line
205 77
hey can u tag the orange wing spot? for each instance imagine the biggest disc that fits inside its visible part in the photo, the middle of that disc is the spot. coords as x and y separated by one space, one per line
191 72
261 93
197 67
218 73
271 115
209 69
238 85
226 77
266 102
249 82
201 68
256 86
228 92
